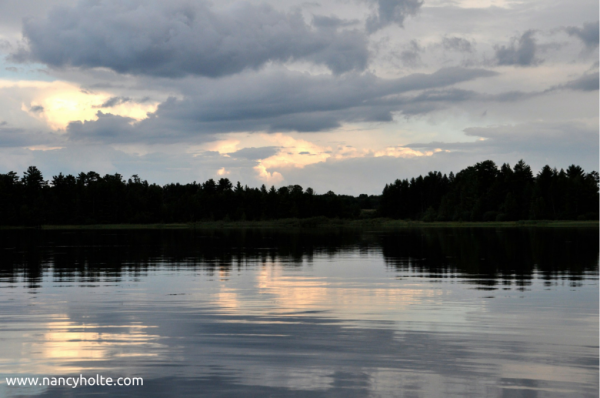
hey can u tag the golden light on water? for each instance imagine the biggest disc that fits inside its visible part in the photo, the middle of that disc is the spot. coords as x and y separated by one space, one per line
292 293
66 342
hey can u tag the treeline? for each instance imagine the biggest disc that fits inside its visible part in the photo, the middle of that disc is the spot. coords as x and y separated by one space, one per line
484 192
89 198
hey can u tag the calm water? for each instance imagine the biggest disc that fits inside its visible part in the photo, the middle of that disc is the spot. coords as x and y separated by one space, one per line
269 313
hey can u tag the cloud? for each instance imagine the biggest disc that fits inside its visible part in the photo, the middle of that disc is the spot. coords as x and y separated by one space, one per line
55 104
112 128
276 101
113 101
411 57
588 34
11 137
521 52
389 12
587 82
331 22
255 153
177 39
457 44
558 142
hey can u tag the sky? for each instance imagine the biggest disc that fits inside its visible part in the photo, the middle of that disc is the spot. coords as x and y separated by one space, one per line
341 95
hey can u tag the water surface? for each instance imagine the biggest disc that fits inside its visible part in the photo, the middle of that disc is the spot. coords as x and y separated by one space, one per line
335 313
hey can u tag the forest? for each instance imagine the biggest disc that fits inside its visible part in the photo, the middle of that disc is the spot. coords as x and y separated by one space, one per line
483 192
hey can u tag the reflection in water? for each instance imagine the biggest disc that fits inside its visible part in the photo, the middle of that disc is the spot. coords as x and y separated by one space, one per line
435 312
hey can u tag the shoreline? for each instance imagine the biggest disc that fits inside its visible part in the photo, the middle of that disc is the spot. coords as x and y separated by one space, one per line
314 223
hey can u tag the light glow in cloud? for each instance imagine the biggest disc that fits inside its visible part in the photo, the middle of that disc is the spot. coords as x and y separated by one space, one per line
402 152
298 153
294 153
222 172
58 103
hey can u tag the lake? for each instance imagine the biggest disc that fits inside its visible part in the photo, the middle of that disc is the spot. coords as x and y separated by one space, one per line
448 312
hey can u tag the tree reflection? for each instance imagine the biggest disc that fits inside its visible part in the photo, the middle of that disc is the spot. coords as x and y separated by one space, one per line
487 257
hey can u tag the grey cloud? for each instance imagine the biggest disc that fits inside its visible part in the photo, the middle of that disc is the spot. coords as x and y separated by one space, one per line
11 137
321 21
549 130
36 109
278 101
173 40
345 51
390 12
521 52
587 82
560 140
411 57
255 153
588 34
5 45
457 44
110 127
430 100
113 101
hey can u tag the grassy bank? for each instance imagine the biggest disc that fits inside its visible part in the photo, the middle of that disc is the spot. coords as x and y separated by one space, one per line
322 222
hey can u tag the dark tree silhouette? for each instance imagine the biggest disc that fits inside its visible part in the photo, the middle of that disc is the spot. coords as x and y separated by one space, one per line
482 192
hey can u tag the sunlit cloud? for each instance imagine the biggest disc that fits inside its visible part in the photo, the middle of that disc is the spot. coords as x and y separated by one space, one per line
58 103
298 153
224 147
295 152
43 148
402 152
223 172
264 175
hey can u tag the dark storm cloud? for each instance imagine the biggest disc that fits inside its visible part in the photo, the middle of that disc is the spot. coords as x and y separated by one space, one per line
390 12
277 101
162 39
588 34
521 51
255 153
